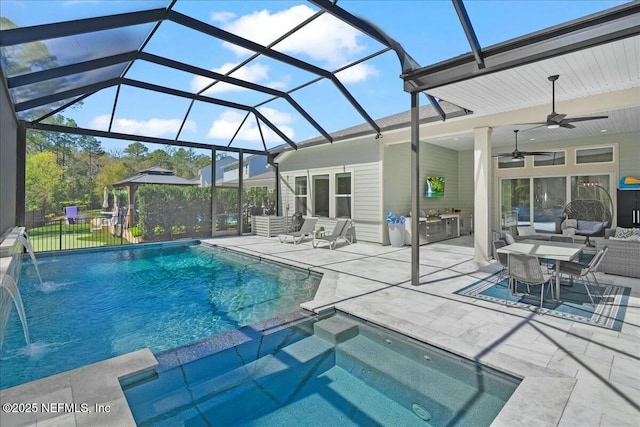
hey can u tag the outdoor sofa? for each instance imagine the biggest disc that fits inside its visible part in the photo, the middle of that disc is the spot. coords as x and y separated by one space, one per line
623 255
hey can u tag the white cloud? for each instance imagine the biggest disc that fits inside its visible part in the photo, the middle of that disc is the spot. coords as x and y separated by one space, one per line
222 16
255 73
357 73
326 39
228 122
152 127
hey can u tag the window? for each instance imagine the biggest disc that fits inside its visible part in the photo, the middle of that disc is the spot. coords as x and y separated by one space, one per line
515 197
301 195
321 195
594 155
343 195
509 163
556 158
549 200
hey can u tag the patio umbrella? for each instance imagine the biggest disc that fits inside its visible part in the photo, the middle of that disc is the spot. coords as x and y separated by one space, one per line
105 198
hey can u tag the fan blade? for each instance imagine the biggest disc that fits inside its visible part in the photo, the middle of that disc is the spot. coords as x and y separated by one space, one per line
555 118
539 125
536 153
567 125
503 155
584 119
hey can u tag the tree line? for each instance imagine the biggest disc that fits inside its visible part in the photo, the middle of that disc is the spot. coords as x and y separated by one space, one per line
65 169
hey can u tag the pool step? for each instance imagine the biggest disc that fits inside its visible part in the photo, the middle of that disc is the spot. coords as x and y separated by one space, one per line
402 379
336 329
265 382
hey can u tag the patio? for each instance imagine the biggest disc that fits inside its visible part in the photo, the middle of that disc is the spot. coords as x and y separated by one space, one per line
574 374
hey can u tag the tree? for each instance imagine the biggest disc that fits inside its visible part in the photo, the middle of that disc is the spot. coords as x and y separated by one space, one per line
114 170
136 150
93 149
43 178
159 158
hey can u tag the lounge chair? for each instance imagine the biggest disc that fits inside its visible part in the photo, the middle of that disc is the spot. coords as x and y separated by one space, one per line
306 230
340 232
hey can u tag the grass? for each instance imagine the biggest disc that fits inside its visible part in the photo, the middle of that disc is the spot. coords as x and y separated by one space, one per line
70 236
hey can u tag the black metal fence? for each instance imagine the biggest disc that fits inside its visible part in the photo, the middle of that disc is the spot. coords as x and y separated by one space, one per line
77 233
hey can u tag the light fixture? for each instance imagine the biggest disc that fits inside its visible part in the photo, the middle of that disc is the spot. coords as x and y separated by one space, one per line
603 130
532 139
553 126
592 184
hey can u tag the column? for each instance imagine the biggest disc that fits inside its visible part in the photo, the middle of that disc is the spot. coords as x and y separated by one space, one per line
482 174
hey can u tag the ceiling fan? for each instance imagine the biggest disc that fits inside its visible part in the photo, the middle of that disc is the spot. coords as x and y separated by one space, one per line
555 120
516 154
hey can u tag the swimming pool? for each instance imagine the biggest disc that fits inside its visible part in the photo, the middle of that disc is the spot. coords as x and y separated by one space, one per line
336 370
96 304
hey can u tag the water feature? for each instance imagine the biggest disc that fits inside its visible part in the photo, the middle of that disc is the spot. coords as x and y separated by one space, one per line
24 239
9 288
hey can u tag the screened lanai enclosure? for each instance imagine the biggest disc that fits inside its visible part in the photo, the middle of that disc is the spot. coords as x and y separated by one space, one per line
145 55
217 92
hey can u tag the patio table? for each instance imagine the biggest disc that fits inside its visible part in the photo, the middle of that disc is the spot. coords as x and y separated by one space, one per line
558 251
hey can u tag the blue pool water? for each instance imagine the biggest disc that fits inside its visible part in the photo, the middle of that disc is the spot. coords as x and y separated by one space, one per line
337 371
98 304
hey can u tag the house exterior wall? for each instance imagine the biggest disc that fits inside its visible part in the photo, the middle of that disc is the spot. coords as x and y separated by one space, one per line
434 160
205 172
465 180
360 157
8 156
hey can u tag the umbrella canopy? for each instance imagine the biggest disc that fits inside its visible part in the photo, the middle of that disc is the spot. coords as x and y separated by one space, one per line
105 198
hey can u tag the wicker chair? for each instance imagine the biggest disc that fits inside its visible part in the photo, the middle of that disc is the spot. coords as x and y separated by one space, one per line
503 259
592 217
526 269
577 270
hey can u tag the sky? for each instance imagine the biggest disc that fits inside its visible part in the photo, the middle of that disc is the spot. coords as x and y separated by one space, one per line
428 30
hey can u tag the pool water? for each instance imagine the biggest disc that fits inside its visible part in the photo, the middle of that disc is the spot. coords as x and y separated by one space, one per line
96 304
333 371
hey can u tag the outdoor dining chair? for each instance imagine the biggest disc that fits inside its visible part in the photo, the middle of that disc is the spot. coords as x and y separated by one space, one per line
582 271
502 258
526 269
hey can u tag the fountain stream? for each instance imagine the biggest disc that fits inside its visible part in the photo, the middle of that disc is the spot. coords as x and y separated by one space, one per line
10 287
24 239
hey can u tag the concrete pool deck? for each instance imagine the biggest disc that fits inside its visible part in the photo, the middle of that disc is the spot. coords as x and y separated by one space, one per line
574 374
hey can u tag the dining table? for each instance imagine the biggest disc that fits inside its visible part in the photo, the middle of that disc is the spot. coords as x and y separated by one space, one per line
557 251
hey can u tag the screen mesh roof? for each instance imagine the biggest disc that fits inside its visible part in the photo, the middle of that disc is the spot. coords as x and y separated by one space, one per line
256 76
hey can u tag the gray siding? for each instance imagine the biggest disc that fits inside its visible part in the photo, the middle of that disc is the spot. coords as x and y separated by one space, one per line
361 157
465 180
434 160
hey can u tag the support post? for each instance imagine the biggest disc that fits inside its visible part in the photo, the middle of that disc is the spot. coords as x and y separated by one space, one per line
415 188
21 173
214 193
239 227
482 171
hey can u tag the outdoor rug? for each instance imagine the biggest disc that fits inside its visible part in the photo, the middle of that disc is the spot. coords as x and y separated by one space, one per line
609 310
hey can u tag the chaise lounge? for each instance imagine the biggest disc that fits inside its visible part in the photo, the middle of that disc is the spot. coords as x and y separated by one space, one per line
306 230
342 231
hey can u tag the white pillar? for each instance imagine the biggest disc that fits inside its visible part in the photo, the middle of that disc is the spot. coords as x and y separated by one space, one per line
482 172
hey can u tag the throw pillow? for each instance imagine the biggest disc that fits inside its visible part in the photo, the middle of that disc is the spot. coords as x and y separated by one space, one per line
570 223
623 233
527 231
508 238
